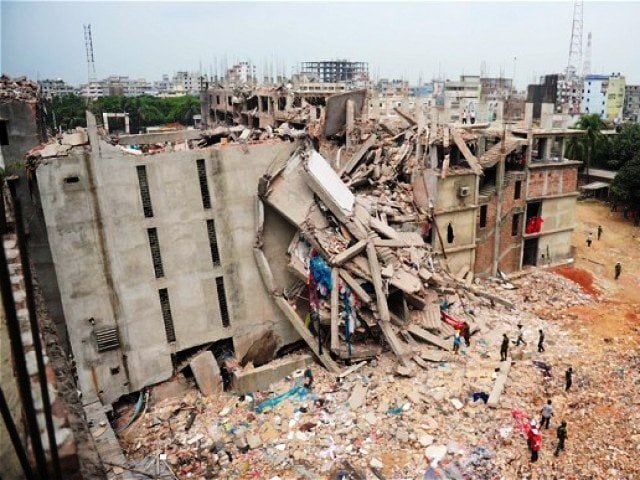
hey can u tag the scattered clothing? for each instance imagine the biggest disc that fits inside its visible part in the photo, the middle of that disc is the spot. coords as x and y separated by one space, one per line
481 396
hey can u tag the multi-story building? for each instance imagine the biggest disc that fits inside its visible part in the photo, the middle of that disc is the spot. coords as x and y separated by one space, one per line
241 73
632 103
50 88
190 82
604 95
334 71
163 85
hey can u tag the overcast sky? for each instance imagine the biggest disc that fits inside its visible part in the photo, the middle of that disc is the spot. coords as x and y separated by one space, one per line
147 39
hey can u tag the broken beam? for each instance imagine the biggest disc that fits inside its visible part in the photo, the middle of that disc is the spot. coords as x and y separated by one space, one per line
498 387
349 253
335 313
381 301
425 336
302 330
355 287
355 159
469 157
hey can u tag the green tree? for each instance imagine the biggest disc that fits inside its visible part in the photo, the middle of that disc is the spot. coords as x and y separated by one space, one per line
625 187
624 145
584 147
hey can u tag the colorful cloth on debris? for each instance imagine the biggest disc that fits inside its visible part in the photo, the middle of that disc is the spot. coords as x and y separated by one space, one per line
299 391
320 271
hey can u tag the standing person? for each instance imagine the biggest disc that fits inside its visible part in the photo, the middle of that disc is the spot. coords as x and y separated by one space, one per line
456 342
535 442
520 336
599 231
589 239
618 269
466 334
547 412
561 432
504 348
308 378
541 341
568 379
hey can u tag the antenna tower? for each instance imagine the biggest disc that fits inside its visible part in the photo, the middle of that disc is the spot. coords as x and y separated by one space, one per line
88 43
575 46
586 67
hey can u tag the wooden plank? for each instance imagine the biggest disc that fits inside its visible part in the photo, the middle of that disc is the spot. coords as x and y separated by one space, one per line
349 253
302 330
423 335
469 157
335 312
355 286
352 369
381 302
498 387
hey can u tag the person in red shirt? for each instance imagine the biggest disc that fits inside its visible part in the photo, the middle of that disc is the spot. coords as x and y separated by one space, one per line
535 442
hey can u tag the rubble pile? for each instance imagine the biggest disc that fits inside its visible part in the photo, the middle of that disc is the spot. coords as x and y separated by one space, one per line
546 293
19 88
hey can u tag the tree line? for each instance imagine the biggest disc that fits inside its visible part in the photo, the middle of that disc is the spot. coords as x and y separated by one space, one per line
619 152
66 112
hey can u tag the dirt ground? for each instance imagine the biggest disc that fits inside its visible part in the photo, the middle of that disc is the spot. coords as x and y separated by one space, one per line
618 312
608 332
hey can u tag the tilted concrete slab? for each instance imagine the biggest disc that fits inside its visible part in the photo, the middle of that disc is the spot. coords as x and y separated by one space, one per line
207 373
498 387
336 110
262 377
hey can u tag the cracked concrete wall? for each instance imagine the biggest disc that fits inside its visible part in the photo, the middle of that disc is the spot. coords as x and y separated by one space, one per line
119 265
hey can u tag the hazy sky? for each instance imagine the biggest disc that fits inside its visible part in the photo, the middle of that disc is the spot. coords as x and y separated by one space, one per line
146 39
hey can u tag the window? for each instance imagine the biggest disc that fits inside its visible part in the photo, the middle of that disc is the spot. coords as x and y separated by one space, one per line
483 216
213 242
518 190
222 302
165 306
515 223
144 191
155 252
450 235
4 133
204 186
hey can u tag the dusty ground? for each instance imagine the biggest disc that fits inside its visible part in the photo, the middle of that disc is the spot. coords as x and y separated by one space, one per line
306 439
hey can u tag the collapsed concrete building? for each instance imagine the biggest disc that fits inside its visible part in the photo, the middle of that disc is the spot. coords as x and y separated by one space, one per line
341 231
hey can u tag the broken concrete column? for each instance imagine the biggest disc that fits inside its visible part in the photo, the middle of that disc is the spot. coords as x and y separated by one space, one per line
498 387
351 119
207 373
261 377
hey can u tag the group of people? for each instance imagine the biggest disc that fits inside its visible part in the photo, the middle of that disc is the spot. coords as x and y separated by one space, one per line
618 266
534 436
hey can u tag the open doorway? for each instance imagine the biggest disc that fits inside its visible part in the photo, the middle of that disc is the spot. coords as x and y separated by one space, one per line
530 252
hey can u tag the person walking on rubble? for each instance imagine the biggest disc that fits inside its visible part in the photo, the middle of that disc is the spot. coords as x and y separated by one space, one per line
568 379
561 432
599 231
618 269
456 342
504 348
466 334
534 440
547 413
541 341
520 338
589 239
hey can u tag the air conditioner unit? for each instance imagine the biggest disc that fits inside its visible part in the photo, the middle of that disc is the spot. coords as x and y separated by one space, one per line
464 191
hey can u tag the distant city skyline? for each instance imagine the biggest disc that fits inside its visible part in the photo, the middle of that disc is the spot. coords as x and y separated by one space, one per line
398 40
